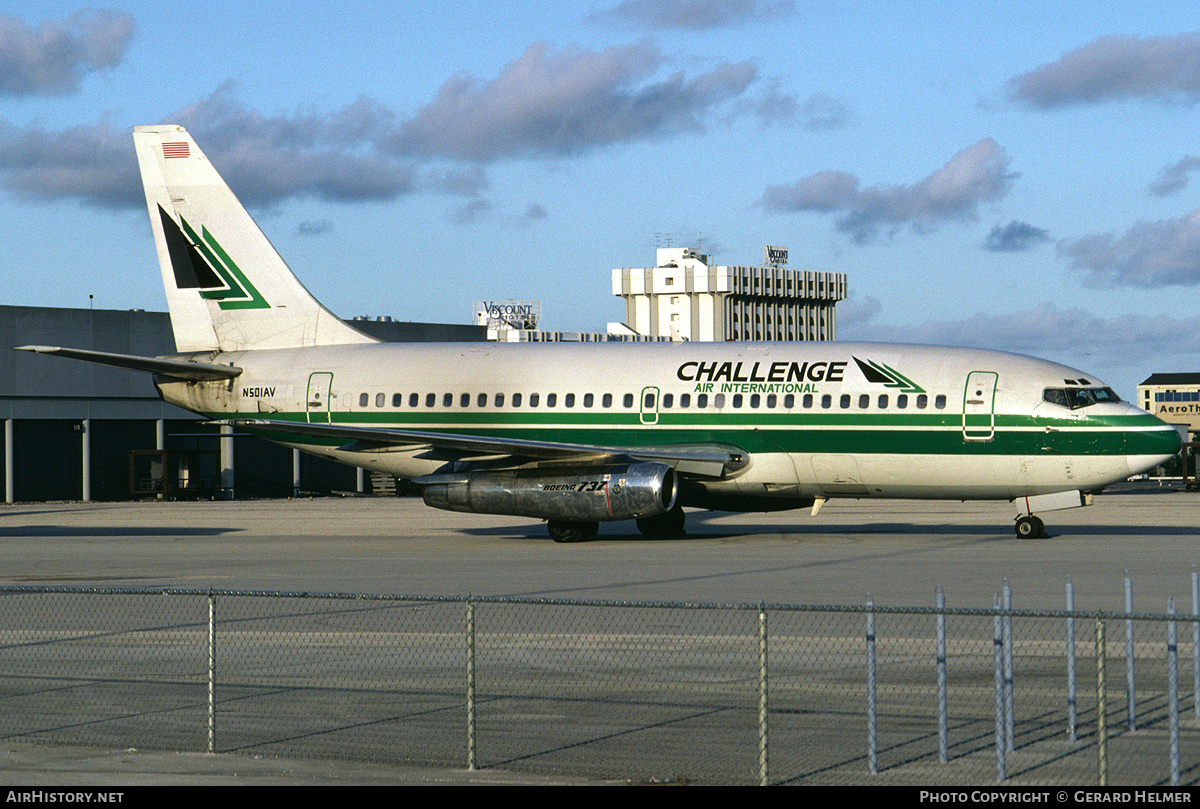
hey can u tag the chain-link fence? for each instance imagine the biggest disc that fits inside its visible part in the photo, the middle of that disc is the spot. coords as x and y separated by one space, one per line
707 693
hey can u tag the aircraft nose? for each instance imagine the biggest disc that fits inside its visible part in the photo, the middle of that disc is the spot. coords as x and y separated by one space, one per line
1171 440
1146 449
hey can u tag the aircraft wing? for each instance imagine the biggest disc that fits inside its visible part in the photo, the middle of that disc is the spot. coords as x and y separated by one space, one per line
179 369
699 460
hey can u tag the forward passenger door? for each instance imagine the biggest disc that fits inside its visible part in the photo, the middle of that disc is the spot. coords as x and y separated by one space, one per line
979 406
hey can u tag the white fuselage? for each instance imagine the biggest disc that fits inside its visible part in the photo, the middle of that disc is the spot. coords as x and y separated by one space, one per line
815 419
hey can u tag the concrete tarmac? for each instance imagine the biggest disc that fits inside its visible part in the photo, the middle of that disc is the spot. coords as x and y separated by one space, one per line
45 766
897 552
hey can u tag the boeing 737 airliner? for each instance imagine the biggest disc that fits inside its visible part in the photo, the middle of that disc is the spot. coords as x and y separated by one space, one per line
577 434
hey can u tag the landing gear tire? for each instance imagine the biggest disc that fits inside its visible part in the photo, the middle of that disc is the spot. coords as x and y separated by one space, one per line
663 525
566 531
1030 527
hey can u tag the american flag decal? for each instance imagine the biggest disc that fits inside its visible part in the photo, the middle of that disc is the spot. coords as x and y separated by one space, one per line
179 149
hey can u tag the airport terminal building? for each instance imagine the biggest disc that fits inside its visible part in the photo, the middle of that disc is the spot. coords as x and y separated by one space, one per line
1174 398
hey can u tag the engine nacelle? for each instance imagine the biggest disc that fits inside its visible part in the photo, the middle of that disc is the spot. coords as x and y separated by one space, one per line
623 492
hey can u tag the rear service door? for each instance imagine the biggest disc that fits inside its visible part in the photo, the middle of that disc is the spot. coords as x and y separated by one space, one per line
319 385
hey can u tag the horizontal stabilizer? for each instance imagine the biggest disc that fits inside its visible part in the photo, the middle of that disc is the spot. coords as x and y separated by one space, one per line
179 369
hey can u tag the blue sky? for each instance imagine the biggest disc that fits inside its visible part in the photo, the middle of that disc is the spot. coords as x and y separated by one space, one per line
1017 175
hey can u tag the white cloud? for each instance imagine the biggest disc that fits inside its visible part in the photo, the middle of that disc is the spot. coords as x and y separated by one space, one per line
471 212
1139 341
263 158
1174 178
544 104
91 163
856 311
52 58
1150 254
1159 68
694 15
550 104
1014 237
975 174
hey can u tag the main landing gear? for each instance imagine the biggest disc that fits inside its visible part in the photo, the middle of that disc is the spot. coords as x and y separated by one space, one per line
1030 527
663 525
660 526
568 531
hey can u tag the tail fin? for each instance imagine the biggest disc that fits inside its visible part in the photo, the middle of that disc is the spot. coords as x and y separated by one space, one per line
227 288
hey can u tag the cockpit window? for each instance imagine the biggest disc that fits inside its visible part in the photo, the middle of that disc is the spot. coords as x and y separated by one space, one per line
1075 398
1056 396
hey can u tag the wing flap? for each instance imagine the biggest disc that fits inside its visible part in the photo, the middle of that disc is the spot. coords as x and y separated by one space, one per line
700 460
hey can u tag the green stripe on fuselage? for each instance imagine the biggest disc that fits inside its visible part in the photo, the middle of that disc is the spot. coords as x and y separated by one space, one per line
907 434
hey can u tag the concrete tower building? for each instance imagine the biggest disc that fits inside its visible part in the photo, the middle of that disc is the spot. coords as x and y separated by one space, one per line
684 297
